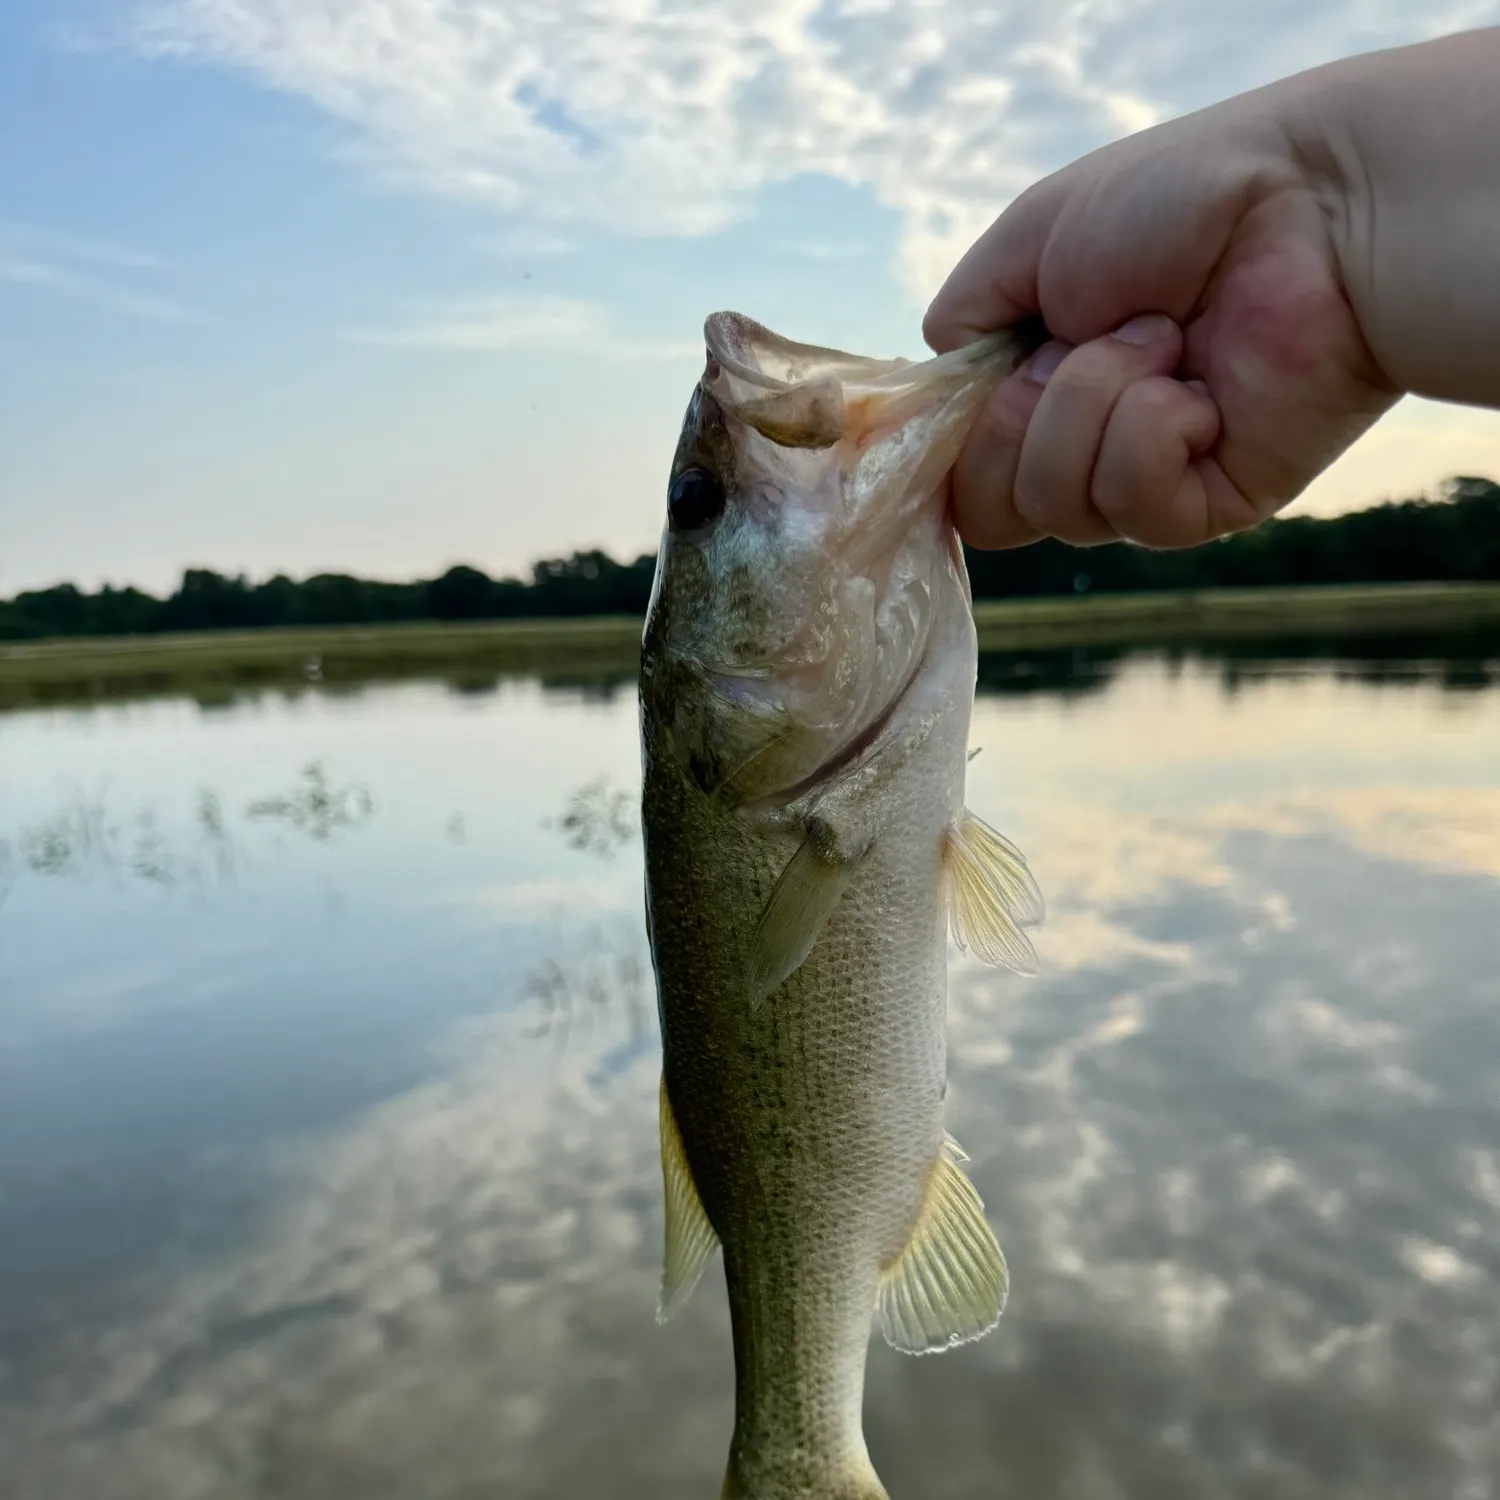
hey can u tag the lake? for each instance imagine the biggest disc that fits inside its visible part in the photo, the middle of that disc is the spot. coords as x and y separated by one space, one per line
328 1066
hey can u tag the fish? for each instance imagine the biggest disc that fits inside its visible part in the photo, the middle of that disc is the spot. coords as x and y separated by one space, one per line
807 676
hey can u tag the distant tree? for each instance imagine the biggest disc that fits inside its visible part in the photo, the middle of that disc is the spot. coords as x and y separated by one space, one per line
1454 537
462 593
207 601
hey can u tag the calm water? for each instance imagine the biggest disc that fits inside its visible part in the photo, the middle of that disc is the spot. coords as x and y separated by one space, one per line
328 1060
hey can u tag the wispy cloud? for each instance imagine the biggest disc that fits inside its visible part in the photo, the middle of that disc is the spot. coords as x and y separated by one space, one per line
80 248
658 117
541 324
825 249
530 241
99 271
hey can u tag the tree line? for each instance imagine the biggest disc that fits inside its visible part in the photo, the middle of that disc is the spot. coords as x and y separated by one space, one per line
1453 538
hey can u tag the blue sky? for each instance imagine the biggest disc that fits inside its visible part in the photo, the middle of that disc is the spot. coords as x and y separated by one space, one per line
381 285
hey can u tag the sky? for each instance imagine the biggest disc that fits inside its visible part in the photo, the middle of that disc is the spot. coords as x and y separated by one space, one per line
384 285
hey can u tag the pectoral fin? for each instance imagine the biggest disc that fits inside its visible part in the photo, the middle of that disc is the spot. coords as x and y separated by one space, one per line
690 1240
950 1283
801 902
992 896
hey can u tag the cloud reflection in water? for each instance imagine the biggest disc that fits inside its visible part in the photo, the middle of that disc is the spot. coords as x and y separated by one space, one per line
1241 1141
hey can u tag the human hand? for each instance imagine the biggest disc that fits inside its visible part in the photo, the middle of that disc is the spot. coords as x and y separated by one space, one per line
1207 362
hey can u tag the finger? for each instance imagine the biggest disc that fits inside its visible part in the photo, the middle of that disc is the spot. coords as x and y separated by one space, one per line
1054 478
994 285
1147 483
984 476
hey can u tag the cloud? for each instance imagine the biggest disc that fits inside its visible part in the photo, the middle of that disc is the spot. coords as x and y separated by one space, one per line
526 240
74 266
541 324
80 248
1445 828
663 117
824 249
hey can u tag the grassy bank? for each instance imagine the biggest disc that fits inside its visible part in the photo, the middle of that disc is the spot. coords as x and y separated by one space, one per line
224 661
1236 614
220 662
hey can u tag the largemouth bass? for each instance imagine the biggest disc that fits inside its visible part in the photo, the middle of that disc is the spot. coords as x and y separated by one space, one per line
807 678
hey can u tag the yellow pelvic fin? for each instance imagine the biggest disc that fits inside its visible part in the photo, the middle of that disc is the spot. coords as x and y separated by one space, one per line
992 896
690 1238
950 1283
801 903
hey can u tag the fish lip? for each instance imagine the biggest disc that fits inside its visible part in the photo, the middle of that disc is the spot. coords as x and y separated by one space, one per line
726 335
719 332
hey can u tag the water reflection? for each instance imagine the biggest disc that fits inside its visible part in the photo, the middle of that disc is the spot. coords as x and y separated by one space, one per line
316 807
85 839
1286 1255
82 840
378 1202
600 818
591 988
1458 661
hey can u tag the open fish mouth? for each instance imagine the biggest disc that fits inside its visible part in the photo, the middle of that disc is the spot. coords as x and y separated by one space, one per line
807 396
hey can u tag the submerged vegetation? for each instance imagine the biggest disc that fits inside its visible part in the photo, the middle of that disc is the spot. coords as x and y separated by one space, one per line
1452 539
88 838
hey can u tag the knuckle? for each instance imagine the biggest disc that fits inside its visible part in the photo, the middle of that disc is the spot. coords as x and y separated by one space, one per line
1151 403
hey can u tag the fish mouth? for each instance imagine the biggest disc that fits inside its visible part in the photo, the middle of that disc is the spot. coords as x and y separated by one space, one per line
751 353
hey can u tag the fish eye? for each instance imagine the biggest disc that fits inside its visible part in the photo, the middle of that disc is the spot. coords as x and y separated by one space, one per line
695 499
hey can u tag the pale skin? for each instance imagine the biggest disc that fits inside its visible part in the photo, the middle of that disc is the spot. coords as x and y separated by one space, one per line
1235 297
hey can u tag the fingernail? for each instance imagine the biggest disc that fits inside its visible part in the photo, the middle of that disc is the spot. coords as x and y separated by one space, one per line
1044 362
1146 329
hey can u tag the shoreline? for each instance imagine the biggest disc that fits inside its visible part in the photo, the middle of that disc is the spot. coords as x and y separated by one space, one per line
91 667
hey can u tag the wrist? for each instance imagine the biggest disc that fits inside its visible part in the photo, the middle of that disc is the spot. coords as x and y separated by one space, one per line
1398 149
